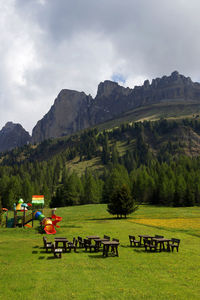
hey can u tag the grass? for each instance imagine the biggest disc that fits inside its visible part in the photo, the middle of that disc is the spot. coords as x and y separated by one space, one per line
168 109
27 272
79 167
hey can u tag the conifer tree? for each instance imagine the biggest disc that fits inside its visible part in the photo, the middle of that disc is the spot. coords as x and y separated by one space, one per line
91 189
121 202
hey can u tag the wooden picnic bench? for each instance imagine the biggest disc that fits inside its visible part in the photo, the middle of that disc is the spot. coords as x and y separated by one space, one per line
80 242
56 251
148 244
47 245
98 243
88 245
144 236
63 241
106 237
92 237
133 241
72 245
114 247
174 244
162 242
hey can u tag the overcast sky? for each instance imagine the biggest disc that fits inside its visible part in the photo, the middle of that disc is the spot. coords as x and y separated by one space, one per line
49 45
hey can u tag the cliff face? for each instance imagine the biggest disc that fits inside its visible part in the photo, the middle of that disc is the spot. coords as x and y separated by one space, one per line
73 111
67 115
12 136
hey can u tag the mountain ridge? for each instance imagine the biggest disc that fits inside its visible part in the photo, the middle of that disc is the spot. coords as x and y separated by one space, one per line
110 101
73 111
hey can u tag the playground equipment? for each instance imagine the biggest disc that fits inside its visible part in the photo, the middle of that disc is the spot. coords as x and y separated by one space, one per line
48 224
21 206
3 216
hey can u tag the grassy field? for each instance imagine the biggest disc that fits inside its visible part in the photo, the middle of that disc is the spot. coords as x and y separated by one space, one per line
171 109
27 272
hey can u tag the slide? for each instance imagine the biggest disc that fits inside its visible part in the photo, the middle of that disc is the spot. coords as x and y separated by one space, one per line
55 220
47 222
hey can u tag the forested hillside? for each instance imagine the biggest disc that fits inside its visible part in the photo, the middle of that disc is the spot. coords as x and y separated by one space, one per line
158 161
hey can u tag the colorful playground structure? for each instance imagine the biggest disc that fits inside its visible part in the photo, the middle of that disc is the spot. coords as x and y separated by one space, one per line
48 223
23 216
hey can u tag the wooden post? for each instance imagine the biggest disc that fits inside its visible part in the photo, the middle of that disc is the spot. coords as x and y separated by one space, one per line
32 217
6 219
23 220
15 218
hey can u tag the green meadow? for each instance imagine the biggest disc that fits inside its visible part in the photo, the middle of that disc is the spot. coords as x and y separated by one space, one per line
28 272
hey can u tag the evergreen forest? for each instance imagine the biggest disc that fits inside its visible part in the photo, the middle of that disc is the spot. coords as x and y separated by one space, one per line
152 162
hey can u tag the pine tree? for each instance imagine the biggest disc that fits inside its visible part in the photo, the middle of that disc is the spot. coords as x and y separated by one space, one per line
117 177
114 155
180 191
121 202
91 189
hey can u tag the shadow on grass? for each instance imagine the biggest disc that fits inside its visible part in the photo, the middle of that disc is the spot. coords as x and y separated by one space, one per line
35 247
34 252
144 251
52 257
102 219
140 250
43 252
41 257
80 252
125 246
71 226
97 256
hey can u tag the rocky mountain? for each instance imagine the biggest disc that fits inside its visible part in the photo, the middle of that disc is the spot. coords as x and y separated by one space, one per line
68 114
12 136
73 111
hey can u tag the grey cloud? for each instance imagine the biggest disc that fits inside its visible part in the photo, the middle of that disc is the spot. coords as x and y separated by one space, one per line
77 43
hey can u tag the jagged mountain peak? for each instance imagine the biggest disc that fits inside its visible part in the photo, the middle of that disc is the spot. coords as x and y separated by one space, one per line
106 87
13 135
9 126
69 92
73 111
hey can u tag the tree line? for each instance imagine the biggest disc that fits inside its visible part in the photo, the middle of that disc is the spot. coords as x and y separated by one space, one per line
160 175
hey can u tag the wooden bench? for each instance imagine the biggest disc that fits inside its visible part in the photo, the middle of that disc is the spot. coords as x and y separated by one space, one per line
88 245
149 244
114 247
133 241
47 245
160 237
56 251
72 245
174 244
80 242
106 237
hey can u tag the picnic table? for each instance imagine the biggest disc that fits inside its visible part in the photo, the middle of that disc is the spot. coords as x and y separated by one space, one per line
99 241
114 247
92 237
63 241
162 242
146 236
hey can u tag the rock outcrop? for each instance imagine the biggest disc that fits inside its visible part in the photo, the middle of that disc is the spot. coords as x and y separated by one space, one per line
67 115
73 111
12 136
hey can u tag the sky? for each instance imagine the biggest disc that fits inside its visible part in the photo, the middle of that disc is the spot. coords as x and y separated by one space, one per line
50 45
